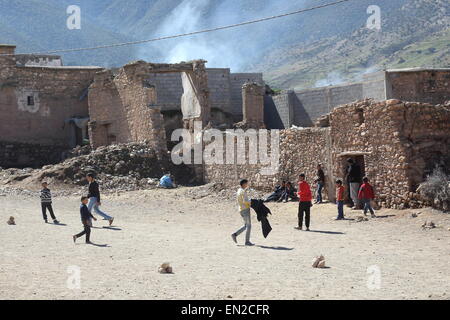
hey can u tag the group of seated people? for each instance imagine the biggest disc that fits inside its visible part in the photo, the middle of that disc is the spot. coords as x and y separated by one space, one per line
283 193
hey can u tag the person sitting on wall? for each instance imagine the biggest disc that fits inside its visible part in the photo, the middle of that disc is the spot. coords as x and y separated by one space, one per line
354 180
277 192
166 182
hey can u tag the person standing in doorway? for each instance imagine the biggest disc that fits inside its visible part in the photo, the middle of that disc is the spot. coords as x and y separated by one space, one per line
244 210
354 179
46 203
305 202
320 180
94 198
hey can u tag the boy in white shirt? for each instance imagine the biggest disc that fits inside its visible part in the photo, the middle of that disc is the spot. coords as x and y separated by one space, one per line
244 210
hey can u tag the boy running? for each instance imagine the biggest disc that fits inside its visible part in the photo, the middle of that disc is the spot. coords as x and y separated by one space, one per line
86 217
94 198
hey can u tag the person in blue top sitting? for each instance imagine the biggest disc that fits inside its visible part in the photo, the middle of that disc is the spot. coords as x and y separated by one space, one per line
166 182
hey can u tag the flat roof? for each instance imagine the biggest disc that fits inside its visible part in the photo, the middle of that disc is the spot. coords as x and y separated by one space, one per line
417 69
64 67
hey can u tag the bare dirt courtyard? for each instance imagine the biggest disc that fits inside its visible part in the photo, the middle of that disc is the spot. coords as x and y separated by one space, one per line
156 226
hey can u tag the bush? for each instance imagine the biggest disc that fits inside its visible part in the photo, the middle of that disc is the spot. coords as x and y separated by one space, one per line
436 189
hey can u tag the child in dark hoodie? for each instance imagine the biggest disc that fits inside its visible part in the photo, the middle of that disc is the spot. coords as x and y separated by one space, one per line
86 217
366 194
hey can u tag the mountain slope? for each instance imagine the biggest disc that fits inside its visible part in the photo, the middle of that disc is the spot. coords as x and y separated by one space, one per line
319 47
36 25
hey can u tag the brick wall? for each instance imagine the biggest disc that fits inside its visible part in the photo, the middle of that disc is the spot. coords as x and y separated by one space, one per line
430 86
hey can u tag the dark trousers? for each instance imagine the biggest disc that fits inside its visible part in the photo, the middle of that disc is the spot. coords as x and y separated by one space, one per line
45 206
340 207
86 231
304 209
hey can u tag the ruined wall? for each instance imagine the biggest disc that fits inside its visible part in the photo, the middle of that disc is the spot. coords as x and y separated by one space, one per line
430 86
253 105
398 150
300 152
397 143
122 109
225 90
237 80
40 100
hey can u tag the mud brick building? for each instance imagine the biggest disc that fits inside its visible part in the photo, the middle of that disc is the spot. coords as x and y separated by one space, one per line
43 109
398 129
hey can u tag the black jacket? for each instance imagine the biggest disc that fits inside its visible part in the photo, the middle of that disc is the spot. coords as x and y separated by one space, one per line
261 213
94 190
354 173
85 214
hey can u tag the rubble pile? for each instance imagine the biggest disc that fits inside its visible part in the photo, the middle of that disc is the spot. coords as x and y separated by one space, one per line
122 167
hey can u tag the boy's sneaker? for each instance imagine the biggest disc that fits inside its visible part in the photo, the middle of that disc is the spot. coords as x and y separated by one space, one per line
88 242
373 216
55 221
298 228
234 237
45 221
111 221
249 244
74 239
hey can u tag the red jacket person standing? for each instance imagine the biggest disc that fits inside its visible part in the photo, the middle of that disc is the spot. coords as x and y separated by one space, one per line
305 202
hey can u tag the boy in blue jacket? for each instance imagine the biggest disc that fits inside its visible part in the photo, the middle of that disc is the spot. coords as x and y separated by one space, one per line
86 217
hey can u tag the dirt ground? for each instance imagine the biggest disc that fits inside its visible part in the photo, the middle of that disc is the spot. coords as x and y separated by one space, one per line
389 257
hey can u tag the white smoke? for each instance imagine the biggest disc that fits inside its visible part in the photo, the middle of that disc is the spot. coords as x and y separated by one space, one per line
234 48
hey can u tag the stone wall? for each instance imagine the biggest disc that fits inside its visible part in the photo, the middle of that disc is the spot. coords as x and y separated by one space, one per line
23 155
237 80
121 109
396 143
300 152
253 105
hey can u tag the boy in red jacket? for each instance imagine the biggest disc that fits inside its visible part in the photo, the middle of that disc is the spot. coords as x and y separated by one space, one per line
305 204
340 199
366 194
